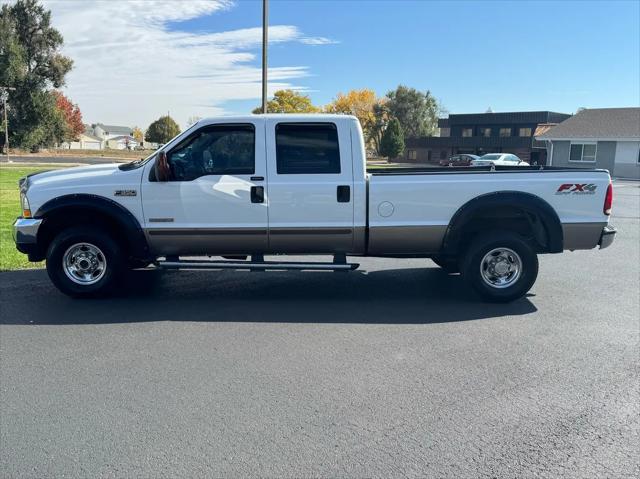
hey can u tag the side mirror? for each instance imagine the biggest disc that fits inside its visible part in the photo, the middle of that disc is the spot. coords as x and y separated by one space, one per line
163 172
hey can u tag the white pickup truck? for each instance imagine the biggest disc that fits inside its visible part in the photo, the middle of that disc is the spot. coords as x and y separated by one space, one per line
234 189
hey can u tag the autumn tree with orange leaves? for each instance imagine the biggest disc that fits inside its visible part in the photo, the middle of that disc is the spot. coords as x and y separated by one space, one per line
359 103
72 116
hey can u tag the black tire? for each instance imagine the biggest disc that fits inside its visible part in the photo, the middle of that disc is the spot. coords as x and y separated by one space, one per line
449 265
477 265
102 249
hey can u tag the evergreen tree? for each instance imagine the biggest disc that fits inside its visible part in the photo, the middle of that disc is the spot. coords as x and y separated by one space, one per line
392 143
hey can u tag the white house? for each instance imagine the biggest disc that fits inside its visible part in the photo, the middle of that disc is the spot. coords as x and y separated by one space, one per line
86 141
600 137
124 142
107 132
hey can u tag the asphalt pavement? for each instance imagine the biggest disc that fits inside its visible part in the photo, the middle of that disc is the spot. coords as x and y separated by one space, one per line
394 370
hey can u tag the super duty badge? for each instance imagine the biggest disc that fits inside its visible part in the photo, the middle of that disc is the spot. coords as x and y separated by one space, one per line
125 193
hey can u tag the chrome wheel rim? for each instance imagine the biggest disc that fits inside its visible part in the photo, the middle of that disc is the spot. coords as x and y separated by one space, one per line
84 263
501 268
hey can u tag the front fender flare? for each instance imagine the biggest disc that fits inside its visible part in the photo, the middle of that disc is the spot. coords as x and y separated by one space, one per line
129 227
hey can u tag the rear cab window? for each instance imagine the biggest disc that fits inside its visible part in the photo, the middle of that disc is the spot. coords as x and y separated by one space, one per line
307 148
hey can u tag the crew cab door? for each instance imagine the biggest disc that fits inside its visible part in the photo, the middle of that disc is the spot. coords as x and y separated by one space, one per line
310 187
215 201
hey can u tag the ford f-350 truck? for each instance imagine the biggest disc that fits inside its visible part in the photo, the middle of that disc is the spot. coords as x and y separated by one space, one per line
234 189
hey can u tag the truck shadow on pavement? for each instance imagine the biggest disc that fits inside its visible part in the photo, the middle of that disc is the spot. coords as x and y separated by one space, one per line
402 296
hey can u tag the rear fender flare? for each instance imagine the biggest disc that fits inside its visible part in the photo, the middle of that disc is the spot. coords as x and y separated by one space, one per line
527 202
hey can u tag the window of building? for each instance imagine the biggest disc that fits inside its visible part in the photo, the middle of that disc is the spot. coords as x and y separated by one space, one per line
214 150
443 154
307 148
486 132
505 132
467 132
524 132
412 154
583 152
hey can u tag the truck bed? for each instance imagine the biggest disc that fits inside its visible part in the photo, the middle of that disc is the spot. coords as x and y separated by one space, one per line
410 209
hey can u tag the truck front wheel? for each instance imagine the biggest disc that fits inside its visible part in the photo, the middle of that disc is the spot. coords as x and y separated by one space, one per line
500 266
83 261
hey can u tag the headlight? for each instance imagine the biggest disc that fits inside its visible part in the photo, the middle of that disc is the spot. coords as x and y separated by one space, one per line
24 203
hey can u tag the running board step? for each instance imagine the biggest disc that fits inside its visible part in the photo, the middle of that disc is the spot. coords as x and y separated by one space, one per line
262 265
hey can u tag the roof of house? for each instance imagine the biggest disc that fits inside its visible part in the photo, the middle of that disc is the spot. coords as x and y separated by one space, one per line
90 136
123 137
115 130
598 123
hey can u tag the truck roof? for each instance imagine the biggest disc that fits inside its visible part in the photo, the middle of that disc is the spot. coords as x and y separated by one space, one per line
287 116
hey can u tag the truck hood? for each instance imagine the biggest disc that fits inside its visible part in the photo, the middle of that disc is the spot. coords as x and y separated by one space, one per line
77 174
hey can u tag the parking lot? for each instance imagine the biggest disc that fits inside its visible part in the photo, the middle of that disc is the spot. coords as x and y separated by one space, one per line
393 370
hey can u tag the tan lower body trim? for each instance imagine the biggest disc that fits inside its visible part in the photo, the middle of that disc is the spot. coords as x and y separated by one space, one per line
406 239
581 235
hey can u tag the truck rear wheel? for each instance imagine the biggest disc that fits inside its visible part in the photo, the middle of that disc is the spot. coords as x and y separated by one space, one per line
84 261
500 266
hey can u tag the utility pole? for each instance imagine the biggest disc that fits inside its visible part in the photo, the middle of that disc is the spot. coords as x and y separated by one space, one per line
265 41
4 95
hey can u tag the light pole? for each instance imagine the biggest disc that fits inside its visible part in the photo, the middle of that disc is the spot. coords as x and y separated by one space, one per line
265 41
4 95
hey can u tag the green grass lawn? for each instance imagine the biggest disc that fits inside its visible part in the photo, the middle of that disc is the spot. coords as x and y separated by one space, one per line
10 257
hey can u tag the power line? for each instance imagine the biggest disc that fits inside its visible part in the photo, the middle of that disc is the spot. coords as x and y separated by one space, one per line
4 96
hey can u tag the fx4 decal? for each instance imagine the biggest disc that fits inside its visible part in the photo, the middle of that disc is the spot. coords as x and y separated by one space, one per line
577 189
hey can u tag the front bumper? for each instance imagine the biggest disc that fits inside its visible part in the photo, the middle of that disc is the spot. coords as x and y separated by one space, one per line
25 234
607 236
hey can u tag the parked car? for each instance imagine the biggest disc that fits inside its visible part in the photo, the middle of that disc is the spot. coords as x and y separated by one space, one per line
238 187
505 159
459 160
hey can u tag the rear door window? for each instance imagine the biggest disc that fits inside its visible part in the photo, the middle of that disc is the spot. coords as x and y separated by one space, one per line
307 148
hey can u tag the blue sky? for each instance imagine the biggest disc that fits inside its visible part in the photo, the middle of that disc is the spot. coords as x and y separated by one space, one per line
471 55
202 57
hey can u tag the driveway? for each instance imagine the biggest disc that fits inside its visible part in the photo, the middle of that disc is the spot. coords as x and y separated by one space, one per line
391 371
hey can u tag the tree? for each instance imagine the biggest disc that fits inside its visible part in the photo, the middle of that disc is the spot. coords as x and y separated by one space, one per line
72 116
289 101
31 62
358 103
392 143
137 134
381 118
48 124
417 112
162 130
